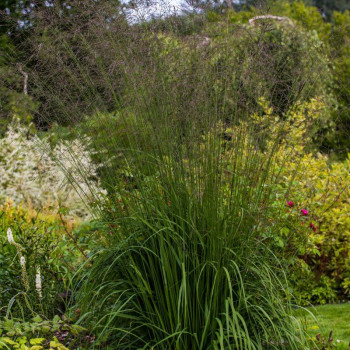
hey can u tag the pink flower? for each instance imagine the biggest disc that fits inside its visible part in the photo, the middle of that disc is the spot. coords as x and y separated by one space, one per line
313 227
290 204
304 212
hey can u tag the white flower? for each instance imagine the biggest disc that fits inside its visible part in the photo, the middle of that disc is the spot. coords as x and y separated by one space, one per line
38 282
22 261
10 236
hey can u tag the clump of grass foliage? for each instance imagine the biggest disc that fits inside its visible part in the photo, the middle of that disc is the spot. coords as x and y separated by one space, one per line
190 185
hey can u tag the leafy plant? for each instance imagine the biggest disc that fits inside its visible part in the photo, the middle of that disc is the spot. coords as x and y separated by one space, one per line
50 248
38 333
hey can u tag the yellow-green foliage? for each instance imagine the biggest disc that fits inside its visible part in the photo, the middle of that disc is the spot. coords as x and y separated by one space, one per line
37 333
326 194
23 343
11 212
322 272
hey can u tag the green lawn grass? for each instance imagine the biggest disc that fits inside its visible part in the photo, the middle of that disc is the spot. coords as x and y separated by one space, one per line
332 317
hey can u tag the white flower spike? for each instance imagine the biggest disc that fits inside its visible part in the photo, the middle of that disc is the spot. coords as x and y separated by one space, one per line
38 282
10 236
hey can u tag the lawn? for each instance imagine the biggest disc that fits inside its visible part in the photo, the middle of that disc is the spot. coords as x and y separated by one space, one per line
332 317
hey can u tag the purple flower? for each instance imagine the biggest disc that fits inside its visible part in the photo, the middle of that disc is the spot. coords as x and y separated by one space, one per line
290 204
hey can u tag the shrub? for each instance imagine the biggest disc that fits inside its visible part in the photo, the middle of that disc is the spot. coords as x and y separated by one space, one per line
320 270
276 63
327 190
32 173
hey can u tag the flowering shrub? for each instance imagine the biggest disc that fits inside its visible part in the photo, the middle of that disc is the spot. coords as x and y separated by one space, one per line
319 195
323 273
34 174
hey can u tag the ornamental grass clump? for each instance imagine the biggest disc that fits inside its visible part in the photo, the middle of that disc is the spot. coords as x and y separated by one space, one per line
190 186
187 267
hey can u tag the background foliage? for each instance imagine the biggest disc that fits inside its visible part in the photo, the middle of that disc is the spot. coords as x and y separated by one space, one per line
217 159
